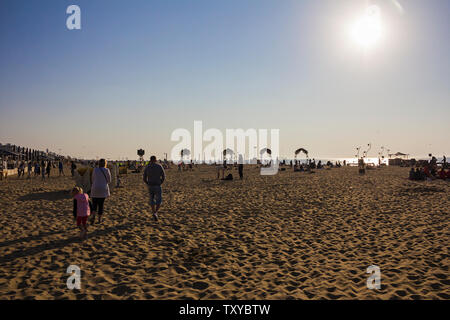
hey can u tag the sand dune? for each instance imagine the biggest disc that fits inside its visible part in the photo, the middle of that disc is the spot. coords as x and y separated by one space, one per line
289 236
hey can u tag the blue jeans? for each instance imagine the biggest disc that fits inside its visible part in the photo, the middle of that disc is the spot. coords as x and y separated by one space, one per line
155 195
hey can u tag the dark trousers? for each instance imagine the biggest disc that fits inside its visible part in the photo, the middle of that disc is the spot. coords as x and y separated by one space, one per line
241 171
98 203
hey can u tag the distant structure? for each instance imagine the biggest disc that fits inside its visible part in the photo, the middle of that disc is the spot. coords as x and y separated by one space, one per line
141 153
19 153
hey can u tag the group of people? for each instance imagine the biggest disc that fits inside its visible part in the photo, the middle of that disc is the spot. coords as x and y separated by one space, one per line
185 167
29 168
221 168
87 206
42 168
429 173
311 164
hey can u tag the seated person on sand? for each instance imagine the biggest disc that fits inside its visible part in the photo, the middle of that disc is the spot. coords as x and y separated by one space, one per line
419 175
220 169
228 177
433 171
412 174
442 174
427 173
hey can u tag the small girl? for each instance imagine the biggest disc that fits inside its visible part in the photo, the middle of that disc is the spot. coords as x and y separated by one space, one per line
81 210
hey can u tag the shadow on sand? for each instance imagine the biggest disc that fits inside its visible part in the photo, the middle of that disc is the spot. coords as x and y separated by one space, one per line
40 236
57 244
49 196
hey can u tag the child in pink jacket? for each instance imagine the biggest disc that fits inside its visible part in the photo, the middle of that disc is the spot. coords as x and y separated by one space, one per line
81 210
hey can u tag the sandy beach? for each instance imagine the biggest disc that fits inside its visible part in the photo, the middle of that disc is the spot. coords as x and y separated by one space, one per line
289 236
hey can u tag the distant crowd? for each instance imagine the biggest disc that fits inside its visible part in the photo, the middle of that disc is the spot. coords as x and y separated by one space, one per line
311 164
30 168
430 171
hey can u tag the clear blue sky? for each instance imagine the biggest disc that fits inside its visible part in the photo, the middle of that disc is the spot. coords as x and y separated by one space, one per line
139 69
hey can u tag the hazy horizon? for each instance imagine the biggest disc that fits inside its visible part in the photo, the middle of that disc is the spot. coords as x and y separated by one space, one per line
137 71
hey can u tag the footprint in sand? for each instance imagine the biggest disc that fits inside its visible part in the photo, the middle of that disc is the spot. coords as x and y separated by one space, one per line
200 285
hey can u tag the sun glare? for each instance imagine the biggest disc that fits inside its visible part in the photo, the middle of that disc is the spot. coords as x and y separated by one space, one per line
367 30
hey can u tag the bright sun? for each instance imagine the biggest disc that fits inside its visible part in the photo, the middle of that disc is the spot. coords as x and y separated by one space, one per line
367 30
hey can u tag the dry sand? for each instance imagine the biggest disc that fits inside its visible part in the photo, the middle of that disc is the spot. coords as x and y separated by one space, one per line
293 235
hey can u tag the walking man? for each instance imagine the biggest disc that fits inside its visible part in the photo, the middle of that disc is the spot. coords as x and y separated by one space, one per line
61 168
154 177
21 169
49 168
43 169
30 168
241 167
73 166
